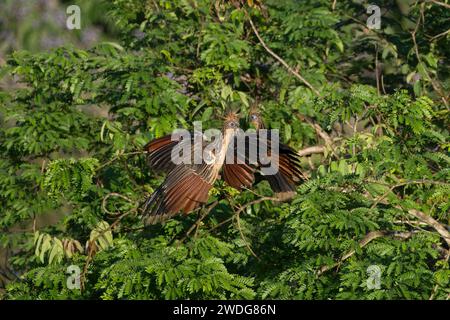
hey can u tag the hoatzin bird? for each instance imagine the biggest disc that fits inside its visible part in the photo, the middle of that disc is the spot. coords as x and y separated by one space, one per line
283 183
186 186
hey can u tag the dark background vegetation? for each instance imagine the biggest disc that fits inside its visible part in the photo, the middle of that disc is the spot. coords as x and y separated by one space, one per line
367 110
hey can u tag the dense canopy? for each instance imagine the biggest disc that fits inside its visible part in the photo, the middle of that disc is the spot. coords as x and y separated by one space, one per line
366 109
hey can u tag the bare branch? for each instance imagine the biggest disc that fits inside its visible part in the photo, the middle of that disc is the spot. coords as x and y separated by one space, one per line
333 6
436 86
277 57
113 194
242 208
365 241
432 223
197 223
440 35
442 4
311 150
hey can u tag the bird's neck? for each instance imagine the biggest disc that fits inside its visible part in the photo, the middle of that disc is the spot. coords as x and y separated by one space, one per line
261 125
227 136
221 154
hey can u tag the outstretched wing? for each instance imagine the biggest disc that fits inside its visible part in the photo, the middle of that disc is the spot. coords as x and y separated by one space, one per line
159 153
186 185
284 181
159 150
240 173
185 188
159 159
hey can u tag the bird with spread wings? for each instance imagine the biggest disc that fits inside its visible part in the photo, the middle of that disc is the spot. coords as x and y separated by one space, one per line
187 185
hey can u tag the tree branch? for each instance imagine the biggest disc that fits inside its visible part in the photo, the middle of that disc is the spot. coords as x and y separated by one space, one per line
320 132
432 223
242 208
113 194
311 150
442 4
436 86
277 57
200 219
365 241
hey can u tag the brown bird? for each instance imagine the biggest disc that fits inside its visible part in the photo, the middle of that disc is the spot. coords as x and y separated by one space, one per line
289 174
186 186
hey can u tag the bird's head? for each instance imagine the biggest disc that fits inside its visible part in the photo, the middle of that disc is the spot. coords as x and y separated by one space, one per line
231 121
255 118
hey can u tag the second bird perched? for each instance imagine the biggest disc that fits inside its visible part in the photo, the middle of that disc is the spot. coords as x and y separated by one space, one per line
283 183
187 185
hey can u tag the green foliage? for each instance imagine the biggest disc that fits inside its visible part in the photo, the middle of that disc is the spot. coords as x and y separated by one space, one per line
72 174
158 270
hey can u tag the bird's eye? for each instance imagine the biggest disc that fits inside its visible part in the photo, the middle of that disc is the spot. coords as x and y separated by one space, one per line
254 117
232 124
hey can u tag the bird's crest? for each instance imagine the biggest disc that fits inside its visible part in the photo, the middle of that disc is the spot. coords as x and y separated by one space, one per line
254 110
231 116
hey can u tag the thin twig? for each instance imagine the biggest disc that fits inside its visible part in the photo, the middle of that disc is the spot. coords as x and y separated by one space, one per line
365 241
277 57
221 223
442 4
436 287
377 74
416 213
401 184
408 182
440 35
197 223
237 215
120 156
383 196
435 86
91 247
113 194
432 223
320 132
238 222
382 84
333 6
